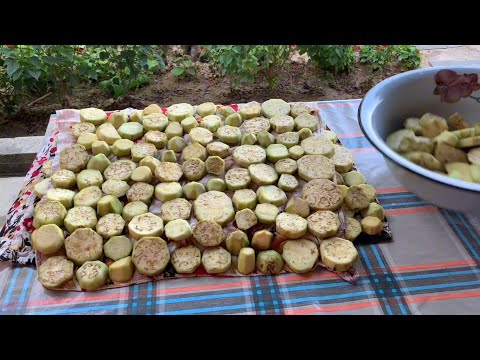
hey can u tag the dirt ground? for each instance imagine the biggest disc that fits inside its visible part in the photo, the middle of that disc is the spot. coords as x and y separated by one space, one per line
299 82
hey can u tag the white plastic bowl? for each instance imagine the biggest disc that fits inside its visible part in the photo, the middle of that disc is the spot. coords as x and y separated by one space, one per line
384 109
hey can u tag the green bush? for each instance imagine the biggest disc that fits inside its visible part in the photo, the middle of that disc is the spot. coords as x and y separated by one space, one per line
245 63
59 68
380 56
184 67
336 58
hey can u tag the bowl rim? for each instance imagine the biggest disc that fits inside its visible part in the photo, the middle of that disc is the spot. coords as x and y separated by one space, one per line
380 144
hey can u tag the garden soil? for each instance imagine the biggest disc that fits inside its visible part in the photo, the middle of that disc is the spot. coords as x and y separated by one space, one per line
299 82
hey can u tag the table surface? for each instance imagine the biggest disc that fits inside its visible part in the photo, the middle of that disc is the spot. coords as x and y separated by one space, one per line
430 267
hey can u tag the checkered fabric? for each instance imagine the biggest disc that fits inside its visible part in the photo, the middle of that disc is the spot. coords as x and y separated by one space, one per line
430 267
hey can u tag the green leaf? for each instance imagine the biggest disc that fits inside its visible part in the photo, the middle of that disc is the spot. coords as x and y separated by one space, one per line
177 71
188 63
50 60
16 75
35 73
118 90
11 66
35 61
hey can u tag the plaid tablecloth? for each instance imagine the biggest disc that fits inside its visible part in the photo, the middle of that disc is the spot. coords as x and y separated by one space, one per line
431 266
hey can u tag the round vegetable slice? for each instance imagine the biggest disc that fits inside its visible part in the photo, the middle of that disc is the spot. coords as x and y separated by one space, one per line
342 159
74 158
245 219
323 224
131 130
211 122
214 206
250 111
88 178
266 213
55 271
146 224
64 196
318 145
297 206
194 169
352 229
237 178
178 112
150 255
263 174
315 167
84 245
141 150
298 109
208 233
291 225
229 134
157 138
186 259
218 149
156 122
142 174
168 172
322 194
133 209
115 187
216 184
118 247
168 191
282 123
48 239
275 107
236 241
306 121
276 152
287 182
215 165
246 155
89 196
50 212
82 128
63 179
110 225
271 194
216 260
338 254
356 198
289 139
269 262
244 199
175 209
93 116
120 170
201 135
141 191
286 166
92 275
194 150
101 147
300 255
178 229
256 125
